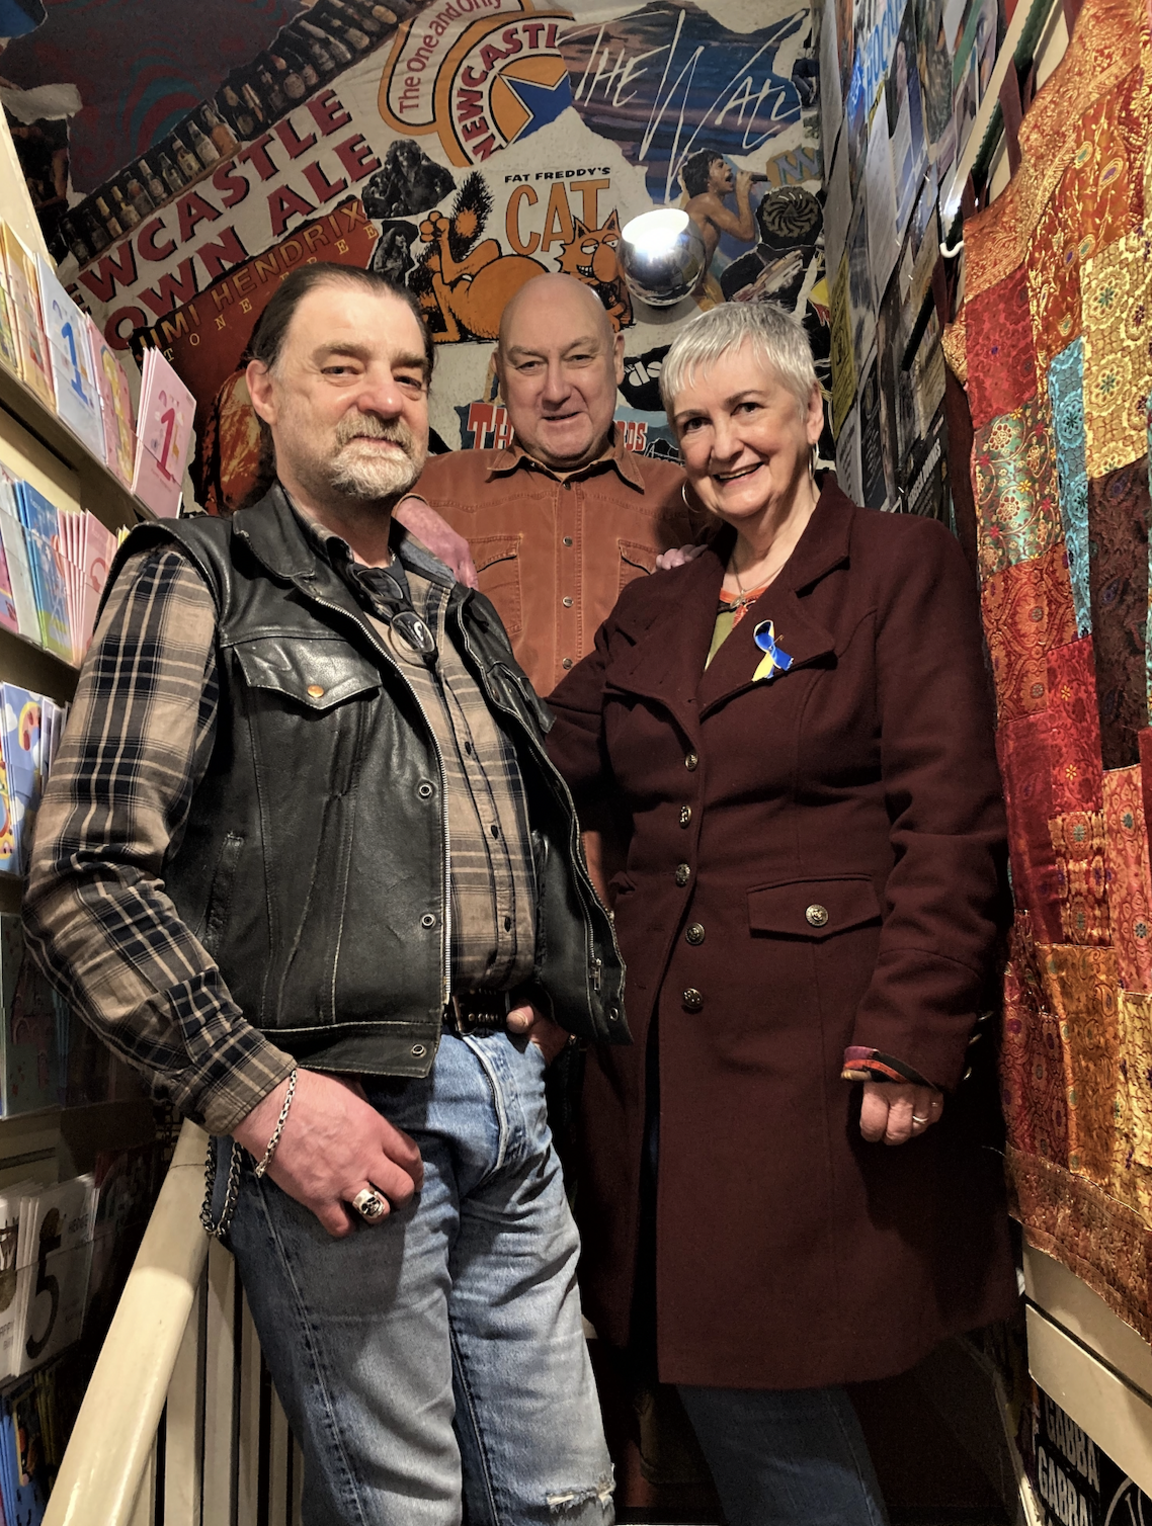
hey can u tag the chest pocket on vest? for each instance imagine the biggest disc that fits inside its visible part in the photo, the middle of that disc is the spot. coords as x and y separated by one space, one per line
307 708
315 674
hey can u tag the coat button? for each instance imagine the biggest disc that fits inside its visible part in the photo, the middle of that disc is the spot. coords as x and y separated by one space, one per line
424 790
693 1000
817 915
683 874
427 920
695 933
691 762
316 690
685 815
567 601
567 540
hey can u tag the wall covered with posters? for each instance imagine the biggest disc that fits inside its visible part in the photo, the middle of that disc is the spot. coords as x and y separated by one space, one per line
901 82
464 146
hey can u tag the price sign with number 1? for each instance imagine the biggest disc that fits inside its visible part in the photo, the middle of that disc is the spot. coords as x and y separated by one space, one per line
163 432
73 378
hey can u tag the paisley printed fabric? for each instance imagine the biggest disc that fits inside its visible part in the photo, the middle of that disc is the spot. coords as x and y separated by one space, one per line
1129 877
1001 354
1148 622
1014 479
1028 611
1134 1021
1025 757
1081 988
1074 729
1118 511
1099 198
1081 877
1066 398
1104 1241
1103 53
1062 411
1117 309
1033 1079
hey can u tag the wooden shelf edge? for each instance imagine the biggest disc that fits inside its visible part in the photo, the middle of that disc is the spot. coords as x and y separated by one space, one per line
1115 1415
70 668
47 427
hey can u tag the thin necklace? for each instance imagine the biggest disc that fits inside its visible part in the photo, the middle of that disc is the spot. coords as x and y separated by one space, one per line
750 595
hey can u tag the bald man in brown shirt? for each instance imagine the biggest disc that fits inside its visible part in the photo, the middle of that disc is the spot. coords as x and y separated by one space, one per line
561 521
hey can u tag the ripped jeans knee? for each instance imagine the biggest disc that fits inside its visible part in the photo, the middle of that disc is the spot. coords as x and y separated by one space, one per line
590 1503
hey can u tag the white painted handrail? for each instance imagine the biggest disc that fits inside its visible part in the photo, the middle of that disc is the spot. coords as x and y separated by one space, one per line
108 1454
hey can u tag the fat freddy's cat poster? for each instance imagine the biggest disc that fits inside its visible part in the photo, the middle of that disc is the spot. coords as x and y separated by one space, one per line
462 146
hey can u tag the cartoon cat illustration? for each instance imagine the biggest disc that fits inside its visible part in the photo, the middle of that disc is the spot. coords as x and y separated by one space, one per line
591 258
465 284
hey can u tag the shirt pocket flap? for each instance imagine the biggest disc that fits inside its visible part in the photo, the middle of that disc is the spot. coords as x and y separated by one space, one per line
487 550
813 908
318 674
638 554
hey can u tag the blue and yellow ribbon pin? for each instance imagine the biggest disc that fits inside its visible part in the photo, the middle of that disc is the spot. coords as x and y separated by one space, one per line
775 661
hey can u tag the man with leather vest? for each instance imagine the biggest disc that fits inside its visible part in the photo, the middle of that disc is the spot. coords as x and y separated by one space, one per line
303 862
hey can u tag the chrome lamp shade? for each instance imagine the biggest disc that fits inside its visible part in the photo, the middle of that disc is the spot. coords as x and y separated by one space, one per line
661 256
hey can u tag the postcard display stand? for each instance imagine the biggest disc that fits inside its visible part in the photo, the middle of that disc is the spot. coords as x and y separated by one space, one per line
57 1242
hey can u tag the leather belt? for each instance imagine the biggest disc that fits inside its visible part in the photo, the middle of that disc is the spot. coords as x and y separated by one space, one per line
476 1012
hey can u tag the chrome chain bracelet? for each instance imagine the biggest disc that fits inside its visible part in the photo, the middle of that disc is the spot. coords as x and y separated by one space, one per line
219 1228
263 1164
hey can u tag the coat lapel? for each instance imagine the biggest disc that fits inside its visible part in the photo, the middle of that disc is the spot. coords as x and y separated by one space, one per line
823 545
665 662
804 639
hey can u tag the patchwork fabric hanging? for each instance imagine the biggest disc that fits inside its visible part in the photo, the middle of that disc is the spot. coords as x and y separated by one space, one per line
1055 342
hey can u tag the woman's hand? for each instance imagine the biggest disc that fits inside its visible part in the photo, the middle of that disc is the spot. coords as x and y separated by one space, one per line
440 538
895 1114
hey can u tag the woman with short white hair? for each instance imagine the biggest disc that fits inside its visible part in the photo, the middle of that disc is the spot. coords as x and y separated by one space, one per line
782 1185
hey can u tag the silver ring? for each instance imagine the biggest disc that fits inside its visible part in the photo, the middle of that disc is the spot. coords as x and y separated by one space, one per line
369 1204
916 1119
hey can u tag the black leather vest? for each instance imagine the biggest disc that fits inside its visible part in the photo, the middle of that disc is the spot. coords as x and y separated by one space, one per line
313 866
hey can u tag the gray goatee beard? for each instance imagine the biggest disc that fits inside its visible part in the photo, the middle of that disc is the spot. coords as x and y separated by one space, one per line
361 473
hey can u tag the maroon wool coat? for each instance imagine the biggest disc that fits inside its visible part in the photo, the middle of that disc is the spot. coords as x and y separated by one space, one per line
790 1253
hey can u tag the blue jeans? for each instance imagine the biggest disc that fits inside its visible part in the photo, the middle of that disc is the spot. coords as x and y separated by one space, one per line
437 1360
793 1457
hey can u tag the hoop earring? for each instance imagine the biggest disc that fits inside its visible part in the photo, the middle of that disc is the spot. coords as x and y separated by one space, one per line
814 462
684 496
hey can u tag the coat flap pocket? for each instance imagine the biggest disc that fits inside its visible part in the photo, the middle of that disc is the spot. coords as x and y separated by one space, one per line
319 674
813 908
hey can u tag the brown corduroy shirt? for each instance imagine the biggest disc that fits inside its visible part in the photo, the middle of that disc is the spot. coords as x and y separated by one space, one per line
554 553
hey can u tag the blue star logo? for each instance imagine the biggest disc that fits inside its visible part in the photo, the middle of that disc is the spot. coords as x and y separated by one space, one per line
544 103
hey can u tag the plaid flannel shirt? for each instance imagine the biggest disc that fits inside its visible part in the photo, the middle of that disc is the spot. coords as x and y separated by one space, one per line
138 742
